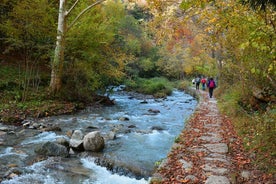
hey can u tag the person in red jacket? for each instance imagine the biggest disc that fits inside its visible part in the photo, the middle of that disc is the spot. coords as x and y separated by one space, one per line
211 85
203 83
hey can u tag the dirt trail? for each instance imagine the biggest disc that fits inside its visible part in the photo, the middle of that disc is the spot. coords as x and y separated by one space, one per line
208 151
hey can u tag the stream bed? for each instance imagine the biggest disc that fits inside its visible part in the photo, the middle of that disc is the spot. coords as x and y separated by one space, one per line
143 130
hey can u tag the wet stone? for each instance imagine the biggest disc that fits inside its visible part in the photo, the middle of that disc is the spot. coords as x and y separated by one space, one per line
245 175
215 115
4 129
212 126
191 178
217 148
210 138
198 150
217 155
214 169
216 159
186 165
3 134
217 180
196 130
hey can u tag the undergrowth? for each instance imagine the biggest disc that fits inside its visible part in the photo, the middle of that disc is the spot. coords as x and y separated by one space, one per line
256 128
158 86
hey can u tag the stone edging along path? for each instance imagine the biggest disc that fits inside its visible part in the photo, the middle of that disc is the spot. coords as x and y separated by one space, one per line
208 151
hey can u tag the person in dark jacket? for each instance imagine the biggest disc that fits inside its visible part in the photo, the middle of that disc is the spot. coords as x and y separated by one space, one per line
211 85
197 81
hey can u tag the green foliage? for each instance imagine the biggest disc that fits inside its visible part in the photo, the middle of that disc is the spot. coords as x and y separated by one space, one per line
140 13
29 34
8 74
146 64
183 84
177 139
229 98
159 87
260 4
29 28
76 85
185 5
91 47
255 127
134 42
158 163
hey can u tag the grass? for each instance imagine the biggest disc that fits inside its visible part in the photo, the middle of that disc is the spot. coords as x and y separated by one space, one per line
158 86
256 128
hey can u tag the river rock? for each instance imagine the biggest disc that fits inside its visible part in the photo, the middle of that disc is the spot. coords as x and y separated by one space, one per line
13 172
158 128
52 128
92 128
3 134
131 126
123 119
52 149
120 128
4 128
63 141
69 133
93 141
110 136
76 141
154 111
2 137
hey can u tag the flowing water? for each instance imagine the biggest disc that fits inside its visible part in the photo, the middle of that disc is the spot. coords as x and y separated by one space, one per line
143 137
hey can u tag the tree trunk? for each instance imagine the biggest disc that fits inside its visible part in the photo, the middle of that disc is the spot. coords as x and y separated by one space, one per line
57 64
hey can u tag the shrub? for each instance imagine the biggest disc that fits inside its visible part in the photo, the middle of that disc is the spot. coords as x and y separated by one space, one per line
159 87
256 127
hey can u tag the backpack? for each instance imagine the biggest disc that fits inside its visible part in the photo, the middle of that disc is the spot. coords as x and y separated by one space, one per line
203 81
212 84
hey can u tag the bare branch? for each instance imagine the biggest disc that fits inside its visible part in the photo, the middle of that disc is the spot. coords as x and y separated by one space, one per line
85 10
69 11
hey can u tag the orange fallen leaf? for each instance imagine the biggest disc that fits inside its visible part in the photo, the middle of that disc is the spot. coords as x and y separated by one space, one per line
185 181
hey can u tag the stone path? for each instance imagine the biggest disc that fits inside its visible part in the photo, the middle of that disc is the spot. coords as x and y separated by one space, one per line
216 159
206 143
209 151
215 150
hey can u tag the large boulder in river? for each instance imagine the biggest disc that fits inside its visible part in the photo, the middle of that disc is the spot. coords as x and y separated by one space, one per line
52 149
76 141
93 141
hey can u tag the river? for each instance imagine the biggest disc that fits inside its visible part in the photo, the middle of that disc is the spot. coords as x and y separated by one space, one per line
145 130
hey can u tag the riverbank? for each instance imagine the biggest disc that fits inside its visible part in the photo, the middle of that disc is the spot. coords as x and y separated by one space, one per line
208 151
133 129
13 113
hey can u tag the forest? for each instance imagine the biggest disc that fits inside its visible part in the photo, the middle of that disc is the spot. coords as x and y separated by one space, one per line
59 56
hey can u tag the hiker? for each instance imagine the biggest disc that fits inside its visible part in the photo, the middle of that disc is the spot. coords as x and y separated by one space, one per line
203 82
197 80
211 85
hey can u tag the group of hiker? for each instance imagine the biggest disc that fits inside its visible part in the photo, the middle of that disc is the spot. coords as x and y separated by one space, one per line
205 82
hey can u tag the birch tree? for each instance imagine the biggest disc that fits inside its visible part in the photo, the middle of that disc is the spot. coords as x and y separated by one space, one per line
62 29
